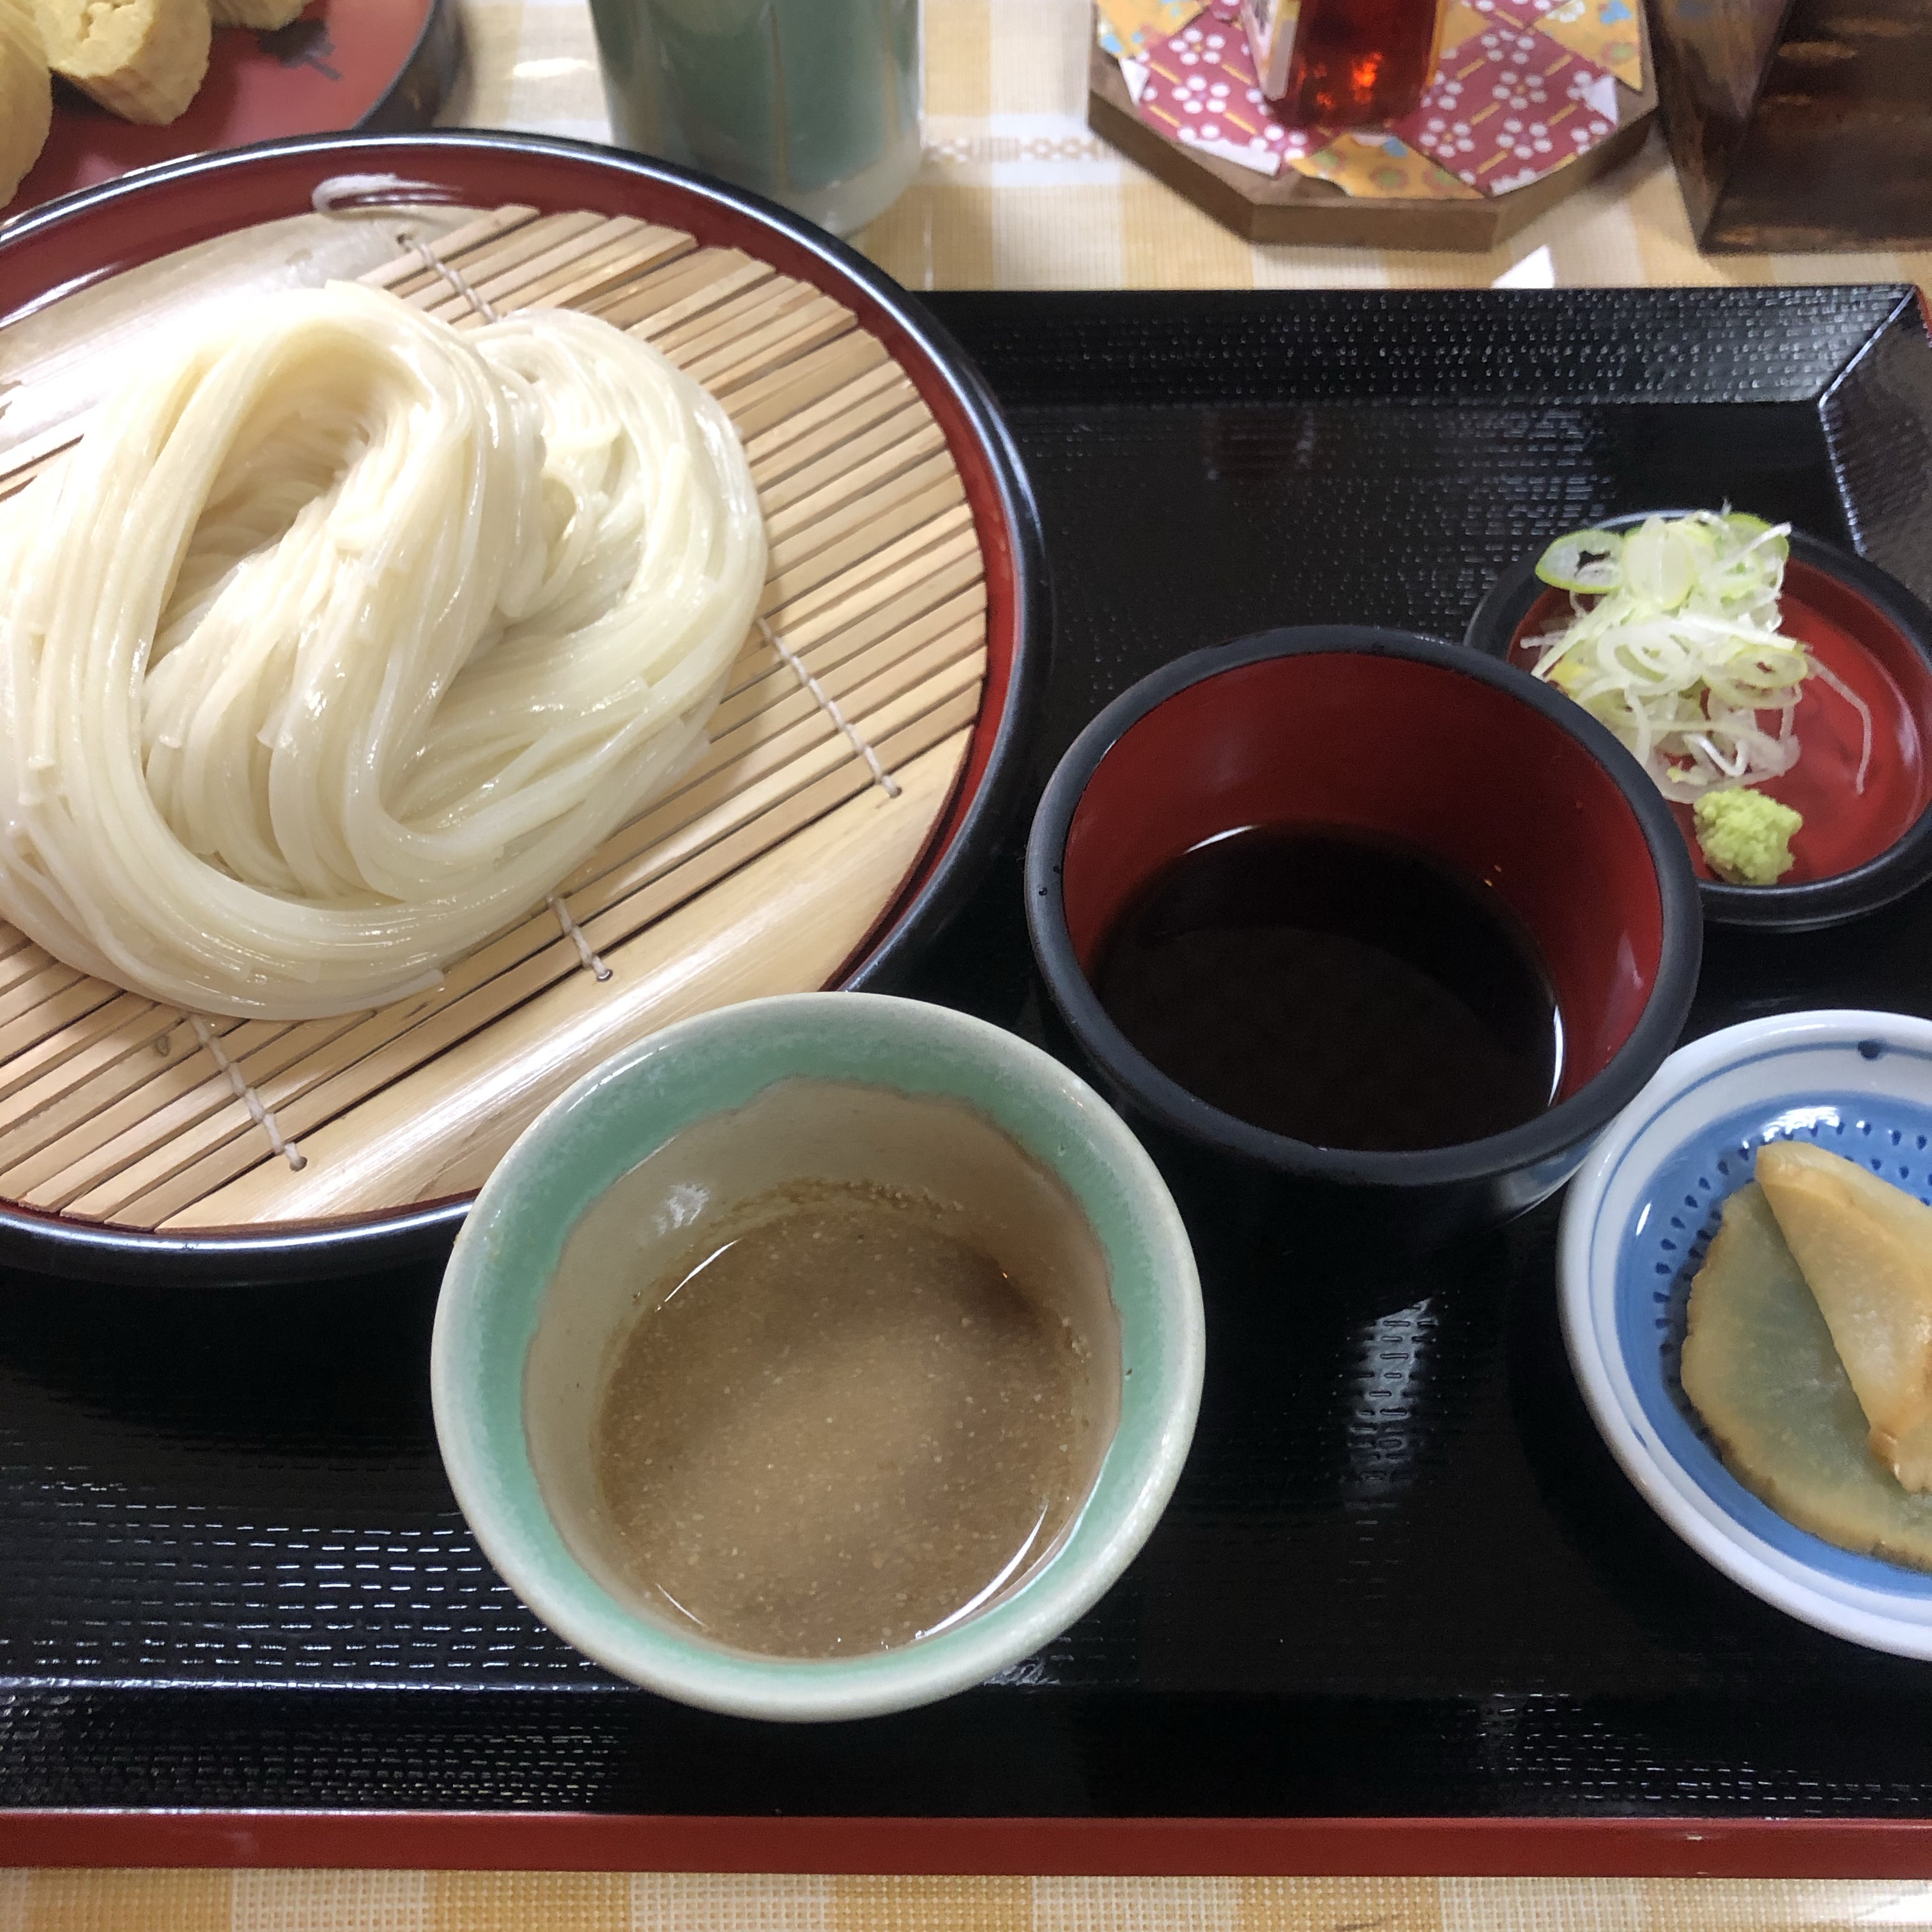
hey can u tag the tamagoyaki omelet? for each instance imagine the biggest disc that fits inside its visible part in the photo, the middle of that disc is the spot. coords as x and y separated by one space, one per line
141 59
26 94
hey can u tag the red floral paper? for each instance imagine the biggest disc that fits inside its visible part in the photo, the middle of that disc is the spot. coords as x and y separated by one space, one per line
1201 90
1603 32
1509 106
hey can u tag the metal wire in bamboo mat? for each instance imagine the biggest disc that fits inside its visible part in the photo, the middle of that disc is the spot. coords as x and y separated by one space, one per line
415 1901
840 738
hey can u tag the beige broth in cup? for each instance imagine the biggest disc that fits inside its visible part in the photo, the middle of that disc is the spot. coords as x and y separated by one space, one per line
824 1374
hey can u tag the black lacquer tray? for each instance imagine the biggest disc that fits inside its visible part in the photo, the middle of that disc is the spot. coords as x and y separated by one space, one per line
1402 1576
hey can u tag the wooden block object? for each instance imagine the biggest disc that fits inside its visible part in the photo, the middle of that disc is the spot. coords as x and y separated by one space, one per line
1799 124
1292 207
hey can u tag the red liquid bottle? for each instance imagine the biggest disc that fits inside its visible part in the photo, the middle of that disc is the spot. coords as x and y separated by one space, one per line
1345 63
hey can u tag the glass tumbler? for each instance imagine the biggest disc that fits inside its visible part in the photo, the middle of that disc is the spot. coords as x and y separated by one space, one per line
1345 63
814 103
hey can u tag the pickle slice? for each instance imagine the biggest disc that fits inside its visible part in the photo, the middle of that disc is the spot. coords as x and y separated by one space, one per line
1760 1367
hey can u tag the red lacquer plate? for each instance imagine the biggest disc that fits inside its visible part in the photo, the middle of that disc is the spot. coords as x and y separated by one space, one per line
1859 849
381 65
156 211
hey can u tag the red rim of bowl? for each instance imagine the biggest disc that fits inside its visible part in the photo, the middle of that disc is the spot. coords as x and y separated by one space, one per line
1870 630
1561 1128
82 239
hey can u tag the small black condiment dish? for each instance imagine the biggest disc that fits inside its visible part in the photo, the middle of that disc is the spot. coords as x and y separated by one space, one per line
1856 851
1390 735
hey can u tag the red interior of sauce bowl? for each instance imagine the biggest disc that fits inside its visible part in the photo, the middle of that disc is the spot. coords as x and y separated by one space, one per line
1471 773
1843 827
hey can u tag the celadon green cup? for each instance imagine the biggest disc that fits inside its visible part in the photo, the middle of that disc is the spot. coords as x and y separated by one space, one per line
497 1295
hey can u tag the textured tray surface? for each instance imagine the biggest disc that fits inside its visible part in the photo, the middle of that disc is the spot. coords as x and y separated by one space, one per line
1401 1574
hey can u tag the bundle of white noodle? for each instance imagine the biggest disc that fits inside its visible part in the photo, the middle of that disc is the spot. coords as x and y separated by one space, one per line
342 638
1674 644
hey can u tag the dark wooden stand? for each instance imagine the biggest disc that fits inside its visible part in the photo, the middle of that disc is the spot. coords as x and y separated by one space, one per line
1799 124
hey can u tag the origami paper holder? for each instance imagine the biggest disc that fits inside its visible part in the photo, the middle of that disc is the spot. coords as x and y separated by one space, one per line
1293 207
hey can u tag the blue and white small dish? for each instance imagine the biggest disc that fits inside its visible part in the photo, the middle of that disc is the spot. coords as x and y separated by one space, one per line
1641 1211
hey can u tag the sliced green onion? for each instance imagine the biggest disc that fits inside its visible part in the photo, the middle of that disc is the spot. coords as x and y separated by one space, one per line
1585 560
1673 643
1662 561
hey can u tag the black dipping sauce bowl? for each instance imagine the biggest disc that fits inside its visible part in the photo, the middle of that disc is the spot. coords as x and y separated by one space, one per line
1857 850
1389 737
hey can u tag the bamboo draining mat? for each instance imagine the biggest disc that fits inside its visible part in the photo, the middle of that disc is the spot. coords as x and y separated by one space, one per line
838 742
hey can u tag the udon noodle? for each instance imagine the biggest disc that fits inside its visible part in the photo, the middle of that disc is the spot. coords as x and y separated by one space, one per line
344 637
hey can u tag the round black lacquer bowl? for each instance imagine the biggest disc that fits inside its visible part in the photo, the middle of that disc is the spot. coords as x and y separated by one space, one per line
1404 742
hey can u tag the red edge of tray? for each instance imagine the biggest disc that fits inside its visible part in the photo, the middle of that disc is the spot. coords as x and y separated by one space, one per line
1650 1847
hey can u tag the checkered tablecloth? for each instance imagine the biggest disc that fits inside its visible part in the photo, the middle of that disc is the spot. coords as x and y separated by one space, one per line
331 1901
1017 193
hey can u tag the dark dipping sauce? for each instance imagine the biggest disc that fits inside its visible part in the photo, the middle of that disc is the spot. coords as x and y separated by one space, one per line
844 1427
1345 991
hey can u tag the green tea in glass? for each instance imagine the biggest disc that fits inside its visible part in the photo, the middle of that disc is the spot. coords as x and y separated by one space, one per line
814 103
